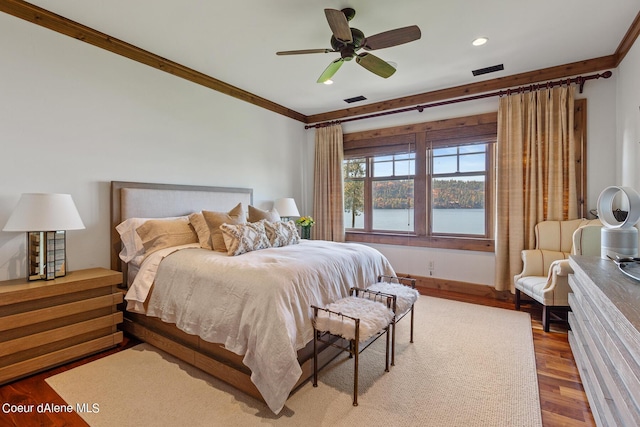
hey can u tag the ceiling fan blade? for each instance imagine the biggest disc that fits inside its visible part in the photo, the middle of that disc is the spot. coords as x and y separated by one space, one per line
392 38
338 24
330 70
304 51
375 65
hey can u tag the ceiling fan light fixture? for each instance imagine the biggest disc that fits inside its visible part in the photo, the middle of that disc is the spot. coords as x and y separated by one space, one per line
347 41
480 41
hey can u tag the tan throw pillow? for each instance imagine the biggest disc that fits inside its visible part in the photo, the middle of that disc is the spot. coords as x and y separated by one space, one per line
202 229
256 214
160 234
282 233
243 238
216 219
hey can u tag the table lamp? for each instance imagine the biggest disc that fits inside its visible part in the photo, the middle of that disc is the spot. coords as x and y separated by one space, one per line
286 208
45 217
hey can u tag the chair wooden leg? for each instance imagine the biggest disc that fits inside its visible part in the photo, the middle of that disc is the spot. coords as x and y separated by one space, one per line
518 299
546 318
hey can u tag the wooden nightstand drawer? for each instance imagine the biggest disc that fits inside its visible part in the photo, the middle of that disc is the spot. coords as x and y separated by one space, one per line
47 323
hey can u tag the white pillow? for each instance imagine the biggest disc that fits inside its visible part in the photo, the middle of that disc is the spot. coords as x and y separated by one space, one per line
132 247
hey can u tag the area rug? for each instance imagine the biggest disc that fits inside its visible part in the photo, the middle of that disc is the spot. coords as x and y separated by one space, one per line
470 365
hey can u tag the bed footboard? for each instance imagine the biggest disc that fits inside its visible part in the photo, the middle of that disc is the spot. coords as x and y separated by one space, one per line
212 358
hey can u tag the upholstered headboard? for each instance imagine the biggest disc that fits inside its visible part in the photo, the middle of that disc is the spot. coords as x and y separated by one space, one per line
148 200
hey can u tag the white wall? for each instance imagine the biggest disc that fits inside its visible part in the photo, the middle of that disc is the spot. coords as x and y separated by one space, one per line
74 117
628 120
478 267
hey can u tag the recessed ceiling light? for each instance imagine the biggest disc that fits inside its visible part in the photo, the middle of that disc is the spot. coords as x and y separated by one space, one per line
328 82
479 41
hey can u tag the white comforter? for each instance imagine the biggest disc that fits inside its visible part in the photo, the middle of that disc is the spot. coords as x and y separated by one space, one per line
259 304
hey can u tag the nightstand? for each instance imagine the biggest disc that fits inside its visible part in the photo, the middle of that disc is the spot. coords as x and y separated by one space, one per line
48 323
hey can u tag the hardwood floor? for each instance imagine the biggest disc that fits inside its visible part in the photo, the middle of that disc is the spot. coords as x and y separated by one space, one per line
562 397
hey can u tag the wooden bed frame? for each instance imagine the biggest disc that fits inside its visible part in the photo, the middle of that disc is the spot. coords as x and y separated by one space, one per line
148 200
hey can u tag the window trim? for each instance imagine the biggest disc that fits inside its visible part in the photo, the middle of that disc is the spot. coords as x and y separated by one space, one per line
459 128
489 187
478 128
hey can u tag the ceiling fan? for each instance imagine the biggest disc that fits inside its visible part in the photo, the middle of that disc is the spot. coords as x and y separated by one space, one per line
348 41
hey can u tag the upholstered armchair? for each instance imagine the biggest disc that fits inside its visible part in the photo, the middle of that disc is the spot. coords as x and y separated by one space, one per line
544 277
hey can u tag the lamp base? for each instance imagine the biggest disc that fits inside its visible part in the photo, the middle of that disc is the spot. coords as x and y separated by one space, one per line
46 255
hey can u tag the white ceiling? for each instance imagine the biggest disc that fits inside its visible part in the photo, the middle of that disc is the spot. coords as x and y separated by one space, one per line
235 41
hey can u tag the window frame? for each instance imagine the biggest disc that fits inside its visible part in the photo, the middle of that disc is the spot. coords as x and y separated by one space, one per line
459 128
420 138
489 184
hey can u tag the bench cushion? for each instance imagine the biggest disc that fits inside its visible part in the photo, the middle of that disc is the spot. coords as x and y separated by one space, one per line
405 296
374 316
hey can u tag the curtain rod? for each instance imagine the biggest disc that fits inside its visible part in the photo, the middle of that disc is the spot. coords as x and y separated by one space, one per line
580 80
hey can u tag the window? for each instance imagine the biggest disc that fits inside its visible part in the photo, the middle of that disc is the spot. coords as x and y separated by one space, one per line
355 171
458 189
423 185
390 179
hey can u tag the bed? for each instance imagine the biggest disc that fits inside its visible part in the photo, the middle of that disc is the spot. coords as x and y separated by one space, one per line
244 319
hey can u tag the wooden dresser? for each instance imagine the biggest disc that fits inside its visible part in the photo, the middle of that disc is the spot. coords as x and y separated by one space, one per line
48 323
605 339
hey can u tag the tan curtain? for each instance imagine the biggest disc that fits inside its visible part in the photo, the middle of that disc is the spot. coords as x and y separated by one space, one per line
536 174
328 209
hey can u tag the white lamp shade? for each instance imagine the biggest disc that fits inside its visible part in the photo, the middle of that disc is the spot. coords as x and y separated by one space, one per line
286 207
44 212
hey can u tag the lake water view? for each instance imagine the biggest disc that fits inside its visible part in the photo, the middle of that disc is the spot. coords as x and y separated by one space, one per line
458 221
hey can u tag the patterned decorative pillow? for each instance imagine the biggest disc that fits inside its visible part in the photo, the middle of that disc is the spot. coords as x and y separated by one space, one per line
243 238
282 233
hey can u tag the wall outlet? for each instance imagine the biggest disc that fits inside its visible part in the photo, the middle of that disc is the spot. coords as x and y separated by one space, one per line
432 267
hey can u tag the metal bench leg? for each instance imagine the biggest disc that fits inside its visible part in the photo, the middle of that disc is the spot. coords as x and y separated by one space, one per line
386 354
356 354
411 340
315 357
393 341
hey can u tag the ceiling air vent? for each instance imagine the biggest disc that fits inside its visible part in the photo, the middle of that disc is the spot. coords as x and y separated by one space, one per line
487 70
354 99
